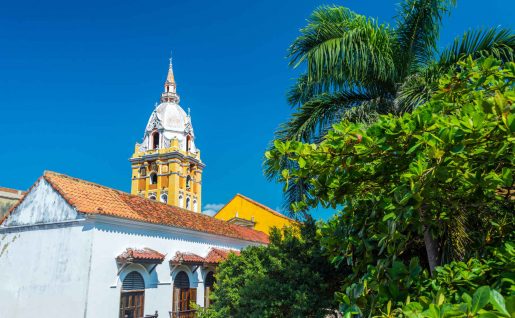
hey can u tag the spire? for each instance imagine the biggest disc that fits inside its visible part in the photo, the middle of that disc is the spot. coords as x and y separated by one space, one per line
170 93
170 78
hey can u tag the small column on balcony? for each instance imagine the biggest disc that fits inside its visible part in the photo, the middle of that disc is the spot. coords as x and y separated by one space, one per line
201 286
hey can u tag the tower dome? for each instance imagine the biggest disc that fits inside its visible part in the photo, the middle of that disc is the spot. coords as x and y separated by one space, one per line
166 166
169 121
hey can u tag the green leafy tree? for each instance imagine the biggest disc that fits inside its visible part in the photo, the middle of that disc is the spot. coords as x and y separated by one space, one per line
484 303
357 68
288 278
432 185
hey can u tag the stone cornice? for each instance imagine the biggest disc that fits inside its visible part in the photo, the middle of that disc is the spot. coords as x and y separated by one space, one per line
92 219
165 228
168 155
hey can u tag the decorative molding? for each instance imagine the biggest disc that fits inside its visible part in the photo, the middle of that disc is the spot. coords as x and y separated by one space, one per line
100 218
50 225
167 155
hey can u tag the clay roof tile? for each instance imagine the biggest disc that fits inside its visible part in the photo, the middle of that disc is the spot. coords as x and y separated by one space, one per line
90 198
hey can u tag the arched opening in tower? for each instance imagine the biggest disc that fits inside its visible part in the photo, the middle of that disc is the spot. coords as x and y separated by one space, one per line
153 178
155 140
188 143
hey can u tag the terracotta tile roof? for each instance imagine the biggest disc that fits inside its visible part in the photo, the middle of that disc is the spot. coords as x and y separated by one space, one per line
144 254
181 258
91 198
215 256
13 191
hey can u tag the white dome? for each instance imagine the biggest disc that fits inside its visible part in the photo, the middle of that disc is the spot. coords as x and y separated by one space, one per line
172 117
169 122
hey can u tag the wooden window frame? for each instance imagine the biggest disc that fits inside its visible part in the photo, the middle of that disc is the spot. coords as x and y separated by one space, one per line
132 301
182 298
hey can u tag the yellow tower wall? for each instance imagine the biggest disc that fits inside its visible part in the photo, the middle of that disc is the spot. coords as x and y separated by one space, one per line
171 176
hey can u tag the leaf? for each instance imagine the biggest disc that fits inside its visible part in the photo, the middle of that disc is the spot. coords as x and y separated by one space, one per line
507 176
510 304
432 312
440 298
458 148
389 216
302 162
497 301
413 307
412 149
279 146
480 298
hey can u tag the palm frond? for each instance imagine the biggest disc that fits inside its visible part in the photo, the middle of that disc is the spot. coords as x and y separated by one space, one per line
296 191
302 91
341 47
456 238
497 42
317 115
311 122
418 30
417 89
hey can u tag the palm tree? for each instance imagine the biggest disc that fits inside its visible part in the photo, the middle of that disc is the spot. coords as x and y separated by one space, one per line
358 69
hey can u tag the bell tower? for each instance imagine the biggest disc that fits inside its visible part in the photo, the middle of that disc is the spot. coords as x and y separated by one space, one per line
166 165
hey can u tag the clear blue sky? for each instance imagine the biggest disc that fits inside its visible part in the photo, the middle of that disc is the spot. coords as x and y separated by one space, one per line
78 81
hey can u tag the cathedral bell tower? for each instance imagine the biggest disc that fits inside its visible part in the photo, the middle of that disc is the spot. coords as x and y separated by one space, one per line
166 166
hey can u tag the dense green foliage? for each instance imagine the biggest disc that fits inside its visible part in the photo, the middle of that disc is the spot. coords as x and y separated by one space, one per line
288 278
357 68
457 287
431 185
426 227
485 303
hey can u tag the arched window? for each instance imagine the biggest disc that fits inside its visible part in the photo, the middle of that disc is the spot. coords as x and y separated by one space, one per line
188 203
183 296
208 282
188 143
181 201
195 206
132 299
142 172
164 198
155 140
152 197
188 182
153 178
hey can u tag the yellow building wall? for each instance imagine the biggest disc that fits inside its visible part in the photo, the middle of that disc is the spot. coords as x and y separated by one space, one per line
248 209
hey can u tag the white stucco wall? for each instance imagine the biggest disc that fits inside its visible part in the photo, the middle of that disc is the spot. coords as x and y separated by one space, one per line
112 239
41 205
44 265
44 271
55 262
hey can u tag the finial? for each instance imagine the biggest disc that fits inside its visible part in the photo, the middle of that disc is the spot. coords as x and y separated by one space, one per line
170 78
170 93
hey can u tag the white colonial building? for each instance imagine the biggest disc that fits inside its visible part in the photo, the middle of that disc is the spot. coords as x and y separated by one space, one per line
71 248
